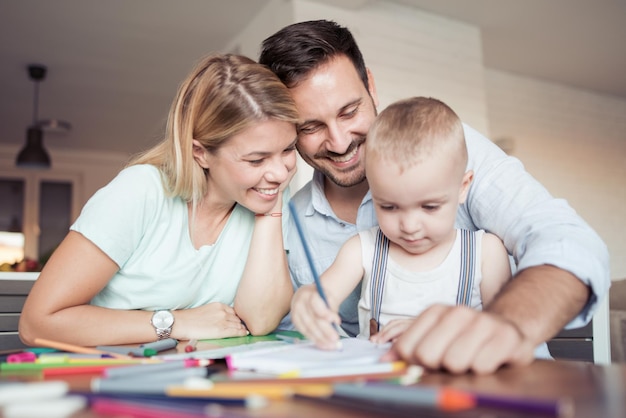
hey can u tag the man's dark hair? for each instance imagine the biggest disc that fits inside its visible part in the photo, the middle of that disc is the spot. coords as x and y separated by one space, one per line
294 51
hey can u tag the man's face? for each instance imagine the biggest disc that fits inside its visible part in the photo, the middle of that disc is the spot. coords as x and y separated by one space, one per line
336 111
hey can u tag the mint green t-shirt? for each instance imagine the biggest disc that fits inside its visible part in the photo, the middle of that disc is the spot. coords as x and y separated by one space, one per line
147 234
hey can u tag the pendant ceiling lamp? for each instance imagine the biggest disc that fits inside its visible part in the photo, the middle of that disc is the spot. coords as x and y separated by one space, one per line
34 155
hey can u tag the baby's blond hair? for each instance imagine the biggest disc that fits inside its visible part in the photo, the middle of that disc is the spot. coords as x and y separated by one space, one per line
409 130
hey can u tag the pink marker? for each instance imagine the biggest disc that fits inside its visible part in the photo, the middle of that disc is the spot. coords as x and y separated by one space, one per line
25 357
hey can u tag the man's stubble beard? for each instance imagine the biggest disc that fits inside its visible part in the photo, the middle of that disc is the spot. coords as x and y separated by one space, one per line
350 177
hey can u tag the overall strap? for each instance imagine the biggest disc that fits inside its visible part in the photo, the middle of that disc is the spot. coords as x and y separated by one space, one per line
468 264
379 269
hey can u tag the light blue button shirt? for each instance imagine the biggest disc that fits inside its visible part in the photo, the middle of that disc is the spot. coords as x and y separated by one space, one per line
325 234
503 199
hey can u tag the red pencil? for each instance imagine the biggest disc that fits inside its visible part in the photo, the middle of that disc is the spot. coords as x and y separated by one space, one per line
140 409
69 370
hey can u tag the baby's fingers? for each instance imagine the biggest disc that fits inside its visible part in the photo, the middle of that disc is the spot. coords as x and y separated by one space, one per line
391 331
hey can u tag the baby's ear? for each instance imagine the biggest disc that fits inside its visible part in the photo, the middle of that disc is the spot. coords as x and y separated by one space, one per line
465 185
200 154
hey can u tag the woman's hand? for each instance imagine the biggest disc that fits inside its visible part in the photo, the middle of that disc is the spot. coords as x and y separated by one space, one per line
213 320
313 319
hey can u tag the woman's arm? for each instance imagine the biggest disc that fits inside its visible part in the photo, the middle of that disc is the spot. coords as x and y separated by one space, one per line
265 289
58 308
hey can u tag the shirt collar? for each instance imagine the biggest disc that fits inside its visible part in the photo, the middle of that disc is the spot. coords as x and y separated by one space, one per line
319 203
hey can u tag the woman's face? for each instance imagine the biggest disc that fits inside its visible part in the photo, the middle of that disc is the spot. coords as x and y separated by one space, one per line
252 166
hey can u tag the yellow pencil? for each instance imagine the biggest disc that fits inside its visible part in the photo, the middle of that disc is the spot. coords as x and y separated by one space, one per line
42 342
242 390
363 370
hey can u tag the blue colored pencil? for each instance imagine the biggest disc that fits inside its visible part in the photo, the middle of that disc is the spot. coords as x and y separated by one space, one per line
309 258
307 252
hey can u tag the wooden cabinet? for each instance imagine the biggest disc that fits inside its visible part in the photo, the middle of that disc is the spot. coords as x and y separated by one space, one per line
14 288
573 344
590 343
39 205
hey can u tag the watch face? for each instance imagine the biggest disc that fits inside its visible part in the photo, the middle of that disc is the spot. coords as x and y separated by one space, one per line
162 319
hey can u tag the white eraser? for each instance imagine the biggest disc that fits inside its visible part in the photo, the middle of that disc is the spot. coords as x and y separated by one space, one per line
34 391
197 383
256 401
53 408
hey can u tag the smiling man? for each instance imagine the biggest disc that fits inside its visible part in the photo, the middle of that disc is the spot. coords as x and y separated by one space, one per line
562 264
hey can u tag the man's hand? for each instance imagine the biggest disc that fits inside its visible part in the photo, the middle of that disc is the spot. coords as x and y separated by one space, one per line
530 309
459 339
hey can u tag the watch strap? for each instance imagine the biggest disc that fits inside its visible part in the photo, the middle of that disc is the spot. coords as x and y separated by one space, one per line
163 333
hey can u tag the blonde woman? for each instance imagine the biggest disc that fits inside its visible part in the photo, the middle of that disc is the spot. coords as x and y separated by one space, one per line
187 241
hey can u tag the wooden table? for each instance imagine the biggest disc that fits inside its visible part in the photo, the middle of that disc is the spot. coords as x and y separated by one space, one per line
596 392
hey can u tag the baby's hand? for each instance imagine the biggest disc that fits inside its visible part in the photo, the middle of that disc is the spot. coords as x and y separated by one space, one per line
391 331
313 318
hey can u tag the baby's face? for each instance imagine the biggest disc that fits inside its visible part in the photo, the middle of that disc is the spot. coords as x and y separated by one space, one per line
416 207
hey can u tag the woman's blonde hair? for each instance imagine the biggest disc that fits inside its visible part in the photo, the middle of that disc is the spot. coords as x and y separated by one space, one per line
223 95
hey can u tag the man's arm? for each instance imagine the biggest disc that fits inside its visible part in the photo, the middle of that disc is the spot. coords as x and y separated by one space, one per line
540 301
529 310
562 273
536 228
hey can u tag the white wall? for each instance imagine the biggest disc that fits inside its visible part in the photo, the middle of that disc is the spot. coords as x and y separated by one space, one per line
571 140
409 52
414 53
574 142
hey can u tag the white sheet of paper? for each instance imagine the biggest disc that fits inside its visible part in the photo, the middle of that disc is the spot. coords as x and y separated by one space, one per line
302 357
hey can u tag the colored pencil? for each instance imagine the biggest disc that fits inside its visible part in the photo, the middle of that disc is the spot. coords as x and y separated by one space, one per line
17 367
140 369
72 370
152 383
144 410
309 258
239 390
60 357
307 252
161 399
438 398
73 348
144 350
448 399
549 407
362 370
